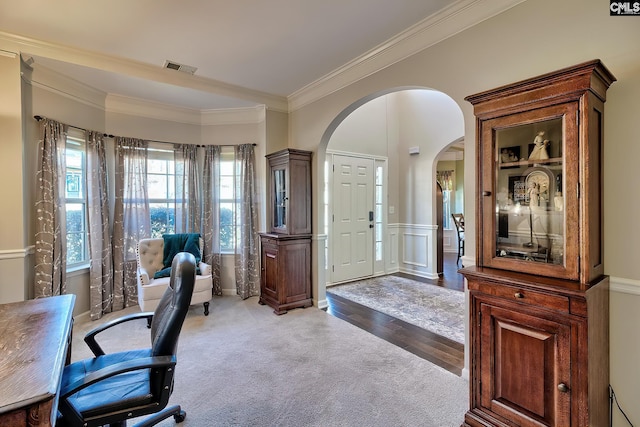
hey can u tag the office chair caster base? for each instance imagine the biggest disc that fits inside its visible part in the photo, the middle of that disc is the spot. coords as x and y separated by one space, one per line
180 416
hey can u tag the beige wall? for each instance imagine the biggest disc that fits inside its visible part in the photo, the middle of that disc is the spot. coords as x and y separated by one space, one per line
532 38
12 220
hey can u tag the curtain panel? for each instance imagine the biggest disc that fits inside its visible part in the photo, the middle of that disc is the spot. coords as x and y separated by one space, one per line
188 207
247 253
212 253
131 220
101 289
446 179
51 237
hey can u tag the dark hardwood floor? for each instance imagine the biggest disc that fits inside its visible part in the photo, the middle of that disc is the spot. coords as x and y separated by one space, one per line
438 350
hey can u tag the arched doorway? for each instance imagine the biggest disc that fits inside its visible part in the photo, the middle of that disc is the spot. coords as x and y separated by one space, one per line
407 128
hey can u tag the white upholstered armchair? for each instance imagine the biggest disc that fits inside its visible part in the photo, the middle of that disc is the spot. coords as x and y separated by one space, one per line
149 255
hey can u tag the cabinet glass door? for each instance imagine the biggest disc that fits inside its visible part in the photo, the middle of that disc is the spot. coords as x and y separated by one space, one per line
279 199
529 210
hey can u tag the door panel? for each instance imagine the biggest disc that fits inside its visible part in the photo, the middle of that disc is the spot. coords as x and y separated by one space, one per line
524 359
353 185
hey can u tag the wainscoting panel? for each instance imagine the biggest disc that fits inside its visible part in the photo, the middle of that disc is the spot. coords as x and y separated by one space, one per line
392 258
417 250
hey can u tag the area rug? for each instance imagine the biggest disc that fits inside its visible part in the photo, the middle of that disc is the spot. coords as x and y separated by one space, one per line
430 307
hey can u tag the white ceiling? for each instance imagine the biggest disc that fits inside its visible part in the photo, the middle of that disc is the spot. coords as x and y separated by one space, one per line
245 51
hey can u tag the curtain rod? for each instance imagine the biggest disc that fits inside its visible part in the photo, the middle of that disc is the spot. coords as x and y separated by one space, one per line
106 135
40 118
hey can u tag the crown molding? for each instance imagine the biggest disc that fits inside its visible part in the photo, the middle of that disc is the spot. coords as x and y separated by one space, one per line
459 16
234 116
8 54
120 104
158 111
133 68
52 81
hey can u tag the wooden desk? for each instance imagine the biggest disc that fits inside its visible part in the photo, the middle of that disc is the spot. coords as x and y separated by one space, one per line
35 338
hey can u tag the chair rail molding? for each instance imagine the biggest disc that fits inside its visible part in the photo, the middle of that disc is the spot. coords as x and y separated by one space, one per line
627 286
16 253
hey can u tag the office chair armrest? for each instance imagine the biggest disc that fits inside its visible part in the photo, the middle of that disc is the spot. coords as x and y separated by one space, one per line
90 337
205 269
118 368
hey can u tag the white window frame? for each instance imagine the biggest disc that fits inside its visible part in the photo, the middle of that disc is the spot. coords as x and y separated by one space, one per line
75 182
227 155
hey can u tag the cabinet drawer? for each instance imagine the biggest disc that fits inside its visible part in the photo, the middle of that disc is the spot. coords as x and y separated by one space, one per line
526 296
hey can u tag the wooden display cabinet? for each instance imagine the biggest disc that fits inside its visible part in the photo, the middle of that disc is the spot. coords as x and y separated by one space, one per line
289 192
539 313
286 250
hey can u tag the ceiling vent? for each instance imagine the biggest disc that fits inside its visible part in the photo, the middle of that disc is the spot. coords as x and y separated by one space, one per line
172 65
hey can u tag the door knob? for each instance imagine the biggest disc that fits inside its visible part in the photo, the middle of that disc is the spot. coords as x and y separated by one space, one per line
563 388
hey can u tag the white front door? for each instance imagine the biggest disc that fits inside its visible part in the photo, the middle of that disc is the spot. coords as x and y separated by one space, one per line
352 237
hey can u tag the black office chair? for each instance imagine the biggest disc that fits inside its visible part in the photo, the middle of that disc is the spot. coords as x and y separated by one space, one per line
458 220
111 388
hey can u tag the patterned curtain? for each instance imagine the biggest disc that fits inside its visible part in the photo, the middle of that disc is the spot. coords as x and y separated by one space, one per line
211 213
131 220
188 209
101 260
51 236
446 179
247 257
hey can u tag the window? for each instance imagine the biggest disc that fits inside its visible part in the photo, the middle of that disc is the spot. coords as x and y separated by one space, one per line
229 220
379 206
76 200
161 179
446 179
446 209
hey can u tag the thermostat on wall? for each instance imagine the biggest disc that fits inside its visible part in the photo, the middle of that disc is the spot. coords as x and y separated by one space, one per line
414 150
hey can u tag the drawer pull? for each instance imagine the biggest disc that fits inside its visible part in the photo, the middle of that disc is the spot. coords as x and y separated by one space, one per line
563 387
519 295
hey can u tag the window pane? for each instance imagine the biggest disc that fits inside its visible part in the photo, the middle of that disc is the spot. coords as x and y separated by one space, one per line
156 166
76 233
226 237
446 209
74 187
379 175
226 187
226 168
378 251
226 214
162 218
157 186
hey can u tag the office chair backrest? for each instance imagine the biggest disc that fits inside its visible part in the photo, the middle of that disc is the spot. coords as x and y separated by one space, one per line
172 309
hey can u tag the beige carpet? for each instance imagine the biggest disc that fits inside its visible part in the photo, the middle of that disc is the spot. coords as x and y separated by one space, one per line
244 366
